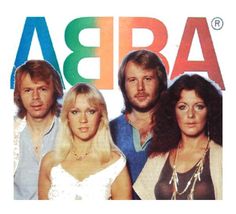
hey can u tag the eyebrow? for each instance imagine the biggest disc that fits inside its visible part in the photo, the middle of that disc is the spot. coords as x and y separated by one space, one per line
194 103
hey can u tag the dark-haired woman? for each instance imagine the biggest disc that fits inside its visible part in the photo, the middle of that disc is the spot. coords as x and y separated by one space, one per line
185 159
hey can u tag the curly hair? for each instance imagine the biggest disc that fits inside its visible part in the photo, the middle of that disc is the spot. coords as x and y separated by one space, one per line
166 132
146 60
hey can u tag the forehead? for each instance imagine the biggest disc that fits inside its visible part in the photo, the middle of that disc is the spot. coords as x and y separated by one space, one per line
135 70
83 101
189 96
27 81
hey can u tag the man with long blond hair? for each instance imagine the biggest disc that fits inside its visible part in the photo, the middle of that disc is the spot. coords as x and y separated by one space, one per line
37 90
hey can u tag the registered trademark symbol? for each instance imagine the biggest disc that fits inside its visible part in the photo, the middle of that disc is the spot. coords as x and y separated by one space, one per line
217 23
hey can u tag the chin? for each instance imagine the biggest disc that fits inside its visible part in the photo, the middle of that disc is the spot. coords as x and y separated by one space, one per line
143 108
194 134
85 140
38 116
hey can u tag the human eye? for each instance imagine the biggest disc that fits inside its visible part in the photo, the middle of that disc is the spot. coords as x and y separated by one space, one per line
148 78
44 89
74 111
92 111
131 80
27 90
200 106
182 107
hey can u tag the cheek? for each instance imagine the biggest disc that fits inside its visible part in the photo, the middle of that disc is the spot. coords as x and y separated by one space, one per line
96 123
129 90
203 119
71 122
25 99
179 117
48 98
152 86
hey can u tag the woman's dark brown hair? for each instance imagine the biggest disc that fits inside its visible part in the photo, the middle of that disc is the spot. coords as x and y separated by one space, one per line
166 132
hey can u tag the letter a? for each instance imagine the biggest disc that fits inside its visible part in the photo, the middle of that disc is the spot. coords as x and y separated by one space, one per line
210 63
40 25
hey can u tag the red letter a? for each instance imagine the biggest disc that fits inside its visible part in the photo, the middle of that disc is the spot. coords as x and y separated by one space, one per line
210 63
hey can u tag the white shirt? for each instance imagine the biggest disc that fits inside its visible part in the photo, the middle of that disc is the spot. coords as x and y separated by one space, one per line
96 186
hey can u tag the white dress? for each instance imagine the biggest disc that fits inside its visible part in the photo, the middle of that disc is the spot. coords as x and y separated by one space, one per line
96 186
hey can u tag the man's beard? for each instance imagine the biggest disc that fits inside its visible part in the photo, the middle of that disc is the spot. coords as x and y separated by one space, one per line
143 109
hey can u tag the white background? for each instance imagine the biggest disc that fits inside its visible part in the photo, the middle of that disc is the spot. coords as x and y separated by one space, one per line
58 15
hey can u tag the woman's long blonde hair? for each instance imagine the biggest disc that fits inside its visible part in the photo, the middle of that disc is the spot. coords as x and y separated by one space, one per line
102 143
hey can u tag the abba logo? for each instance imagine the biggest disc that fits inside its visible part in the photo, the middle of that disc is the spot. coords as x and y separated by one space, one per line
105 50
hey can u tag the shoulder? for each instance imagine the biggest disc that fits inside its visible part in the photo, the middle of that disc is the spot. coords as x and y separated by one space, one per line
116 155
214 144
118 119
49 160
155 159
215 147
153 166
146 181
19 120
57 119
215 152
19 124
117 160
114 167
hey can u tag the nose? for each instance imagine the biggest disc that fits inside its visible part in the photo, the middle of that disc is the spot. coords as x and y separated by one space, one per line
140 85
35 95
83 118
191 112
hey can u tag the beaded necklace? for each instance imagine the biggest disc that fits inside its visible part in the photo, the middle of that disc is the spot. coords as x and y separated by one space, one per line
196 176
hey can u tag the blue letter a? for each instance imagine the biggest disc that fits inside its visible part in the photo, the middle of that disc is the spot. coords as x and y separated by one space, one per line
40 25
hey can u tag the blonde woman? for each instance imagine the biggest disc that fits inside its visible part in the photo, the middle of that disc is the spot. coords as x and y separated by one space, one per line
85 164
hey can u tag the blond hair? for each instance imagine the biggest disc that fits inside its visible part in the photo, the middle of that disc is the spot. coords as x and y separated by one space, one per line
102 143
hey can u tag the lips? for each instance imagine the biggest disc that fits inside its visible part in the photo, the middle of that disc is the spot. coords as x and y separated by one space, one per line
84 129
191 124
141 96
36 107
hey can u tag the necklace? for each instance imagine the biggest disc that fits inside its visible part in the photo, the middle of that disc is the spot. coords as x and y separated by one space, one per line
193 179
36 148
79 157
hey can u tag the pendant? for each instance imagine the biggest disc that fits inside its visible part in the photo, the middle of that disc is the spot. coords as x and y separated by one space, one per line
81 157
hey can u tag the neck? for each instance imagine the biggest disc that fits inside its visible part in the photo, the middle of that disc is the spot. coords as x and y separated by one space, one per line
140 116
193 142
39 125
81 147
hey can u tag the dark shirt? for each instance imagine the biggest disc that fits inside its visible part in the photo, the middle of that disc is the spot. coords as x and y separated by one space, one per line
203 190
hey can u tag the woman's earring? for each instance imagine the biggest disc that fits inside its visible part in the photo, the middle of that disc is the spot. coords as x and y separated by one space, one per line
208 132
